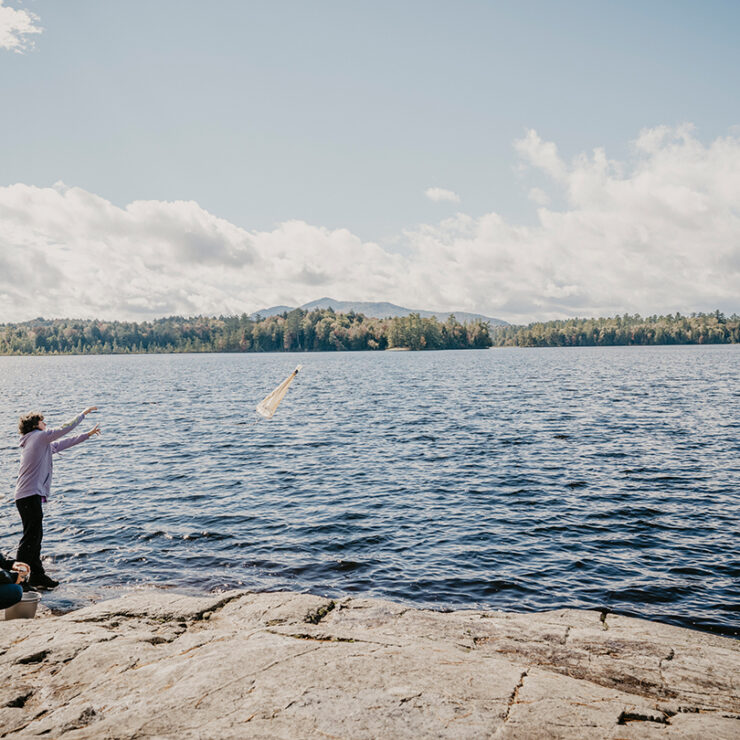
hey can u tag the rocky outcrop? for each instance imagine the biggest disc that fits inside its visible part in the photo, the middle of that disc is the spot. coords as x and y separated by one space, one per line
287 665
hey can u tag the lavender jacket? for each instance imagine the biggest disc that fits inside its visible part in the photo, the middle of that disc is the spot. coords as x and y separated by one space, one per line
37 447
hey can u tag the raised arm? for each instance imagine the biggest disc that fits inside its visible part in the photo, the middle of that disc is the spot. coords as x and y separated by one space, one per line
54 434
65 444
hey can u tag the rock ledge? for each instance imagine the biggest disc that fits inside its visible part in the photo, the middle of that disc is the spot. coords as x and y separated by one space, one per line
157 665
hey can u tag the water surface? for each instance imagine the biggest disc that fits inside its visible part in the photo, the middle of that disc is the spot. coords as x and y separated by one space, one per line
514 479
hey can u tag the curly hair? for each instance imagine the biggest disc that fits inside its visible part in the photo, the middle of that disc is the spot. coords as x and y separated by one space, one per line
29 422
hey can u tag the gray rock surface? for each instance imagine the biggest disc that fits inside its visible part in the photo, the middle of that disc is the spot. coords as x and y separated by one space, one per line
284 665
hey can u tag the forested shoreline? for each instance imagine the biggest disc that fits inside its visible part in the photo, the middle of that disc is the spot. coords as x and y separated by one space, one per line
320 330
323 330
698 328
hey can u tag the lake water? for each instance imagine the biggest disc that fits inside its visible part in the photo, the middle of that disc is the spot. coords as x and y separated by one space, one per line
513 479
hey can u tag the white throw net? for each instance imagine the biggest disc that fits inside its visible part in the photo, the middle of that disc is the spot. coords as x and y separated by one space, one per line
268 405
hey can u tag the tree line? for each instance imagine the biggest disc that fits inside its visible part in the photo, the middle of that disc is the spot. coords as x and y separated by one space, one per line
320 330
323 330
697 328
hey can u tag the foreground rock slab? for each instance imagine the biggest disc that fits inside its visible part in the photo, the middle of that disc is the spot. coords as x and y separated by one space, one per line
287 665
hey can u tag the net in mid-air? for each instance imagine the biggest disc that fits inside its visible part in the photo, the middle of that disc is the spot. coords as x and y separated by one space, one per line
268 405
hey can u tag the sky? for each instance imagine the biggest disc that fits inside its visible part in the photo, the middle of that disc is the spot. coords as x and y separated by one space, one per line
525 160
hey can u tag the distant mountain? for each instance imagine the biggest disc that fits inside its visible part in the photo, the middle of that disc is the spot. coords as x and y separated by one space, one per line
265 313
380 310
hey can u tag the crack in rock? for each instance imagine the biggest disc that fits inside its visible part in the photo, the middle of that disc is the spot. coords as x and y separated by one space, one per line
197 616
624 682
671 655
277 712
331 638
273 607
515 694
20 701
168 637
87 716
97 619
410 698
660 718
251 676
283 660
315 616
217 607
220 687
316 638
15 730
209 721
36 657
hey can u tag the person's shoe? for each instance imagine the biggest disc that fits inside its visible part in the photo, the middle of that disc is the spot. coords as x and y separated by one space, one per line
44 582
26 586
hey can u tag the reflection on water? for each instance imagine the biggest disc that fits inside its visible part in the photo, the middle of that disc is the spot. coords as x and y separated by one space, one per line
505 479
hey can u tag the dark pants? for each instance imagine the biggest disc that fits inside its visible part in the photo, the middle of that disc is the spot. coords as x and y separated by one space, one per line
29 550
10 594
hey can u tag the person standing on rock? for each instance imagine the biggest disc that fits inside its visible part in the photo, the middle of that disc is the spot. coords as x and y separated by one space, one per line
33 488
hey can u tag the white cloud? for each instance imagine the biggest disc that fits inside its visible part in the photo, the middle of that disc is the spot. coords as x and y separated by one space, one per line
440 194
541 154
662 235
16 29
67 252
539 196
657 234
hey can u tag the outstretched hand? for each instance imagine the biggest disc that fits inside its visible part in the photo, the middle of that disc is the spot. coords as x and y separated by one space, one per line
89 410
94 430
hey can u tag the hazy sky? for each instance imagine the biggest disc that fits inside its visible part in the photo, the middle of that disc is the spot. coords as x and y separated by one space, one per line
521 159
